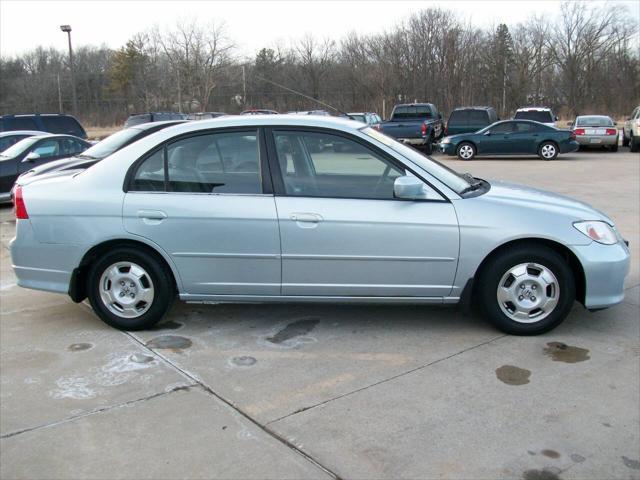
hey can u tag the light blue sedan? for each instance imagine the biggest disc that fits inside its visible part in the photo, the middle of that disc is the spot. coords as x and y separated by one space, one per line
308 209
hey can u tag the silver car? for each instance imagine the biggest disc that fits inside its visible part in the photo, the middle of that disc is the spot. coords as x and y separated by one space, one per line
596 131
308 209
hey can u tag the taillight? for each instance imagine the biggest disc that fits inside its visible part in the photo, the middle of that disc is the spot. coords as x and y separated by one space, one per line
423 129
611 131
19 206
578 131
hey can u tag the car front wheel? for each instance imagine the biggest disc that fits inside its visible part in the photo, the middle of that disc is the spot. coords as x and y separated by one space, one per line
466 151
526 290
130 289
548 151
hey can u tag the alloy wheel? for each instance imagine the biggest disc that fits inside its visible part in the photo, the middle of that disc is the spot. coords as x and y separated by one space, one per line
126 289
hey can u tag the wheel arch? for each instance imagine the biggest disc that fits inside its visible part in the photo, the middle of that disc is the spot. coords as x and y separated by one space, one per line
564 251
77 284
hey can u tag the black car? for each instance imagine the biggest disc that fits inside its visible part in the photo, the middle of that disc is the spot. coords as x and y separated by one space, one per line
32 152
96 153
139 118
43 122
470 119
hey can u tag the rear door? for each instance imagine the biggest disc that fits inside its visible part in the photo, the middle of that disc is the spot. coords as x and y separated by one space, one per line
344 234
206 201
524 138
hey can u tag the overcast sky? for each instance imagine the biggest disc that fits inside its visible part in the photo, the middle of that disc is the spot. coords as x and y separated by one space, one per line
250 24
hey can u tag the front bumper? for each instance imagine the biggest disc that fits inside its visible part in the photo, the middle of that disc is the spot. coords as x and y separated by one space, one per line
447 148
605 268
413 141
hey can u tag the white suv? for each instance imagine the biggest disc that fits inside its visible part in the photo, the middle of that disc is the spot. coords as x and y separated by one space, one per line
631 131
538 114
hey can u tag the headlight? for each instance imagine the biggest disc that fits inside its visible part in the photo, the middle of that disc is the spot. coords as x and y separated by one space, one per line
600 232
445 140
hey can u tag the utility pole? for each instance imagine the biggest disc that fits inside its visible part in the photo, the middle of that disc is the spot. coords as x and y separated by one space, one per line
67 30
59 95
244 88
504 88
179 92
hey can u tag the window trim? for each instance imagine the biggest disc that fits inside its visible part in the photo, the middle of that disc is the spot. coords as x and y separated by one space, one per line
265 176
278 181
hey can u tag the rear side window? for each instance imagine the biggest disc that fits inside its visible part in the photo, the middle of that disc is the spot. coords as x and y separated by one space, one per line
225 162
21 123
63 124
6 142
47 148
478 117
459 117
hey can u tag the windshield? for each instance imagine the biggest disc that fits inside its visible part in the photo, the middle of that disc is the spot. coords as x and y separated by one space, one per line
594 122
450 178
19 148
541 116
111 144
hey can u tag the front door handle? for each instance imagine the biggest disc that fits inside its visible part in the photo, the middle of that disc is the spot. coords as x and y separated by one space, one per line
306 217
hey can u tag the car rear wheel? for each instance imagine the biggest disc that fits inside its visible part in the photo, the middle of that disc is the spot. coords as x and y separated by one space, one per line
634 143
614 147
526 290
129 289
548 151
466 151
625 140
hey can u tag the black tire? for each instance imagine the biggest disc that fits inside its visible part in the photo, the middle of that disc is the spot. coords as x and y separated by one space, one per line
461 156
493 271
634 144
548 144
428 147
161 279
625 140
614 148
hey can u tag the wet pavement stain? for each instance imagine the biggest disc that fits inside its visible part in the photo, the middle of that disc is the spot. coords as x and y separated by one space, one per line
79 347
294 329
170 325
630 463
141 358
605 424
243 361
513 375
540 475
577 458
173 342
561 352
550 453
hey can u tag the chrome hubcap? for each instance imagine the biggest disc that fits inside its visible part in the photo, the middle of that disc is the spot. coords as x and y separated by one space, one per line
548 151
126 290
466 151
528 293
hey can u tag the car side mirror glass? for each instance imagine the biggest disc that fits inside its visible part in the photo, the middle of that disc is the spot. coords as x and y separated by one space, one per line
31 157
409 187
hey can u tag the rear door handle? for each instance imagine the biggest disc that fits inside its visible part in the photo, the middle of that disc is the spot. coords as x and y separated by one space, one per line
153 215
306 217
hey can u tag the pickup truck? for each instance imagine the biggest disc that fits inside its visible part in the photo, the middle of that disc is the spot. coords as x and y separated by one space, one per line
418 124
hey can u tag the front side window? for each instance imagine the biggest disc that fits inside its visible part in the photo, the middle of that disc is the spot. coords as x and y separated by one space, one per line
478 117
325 165
225 162
47 148
506 127
23 123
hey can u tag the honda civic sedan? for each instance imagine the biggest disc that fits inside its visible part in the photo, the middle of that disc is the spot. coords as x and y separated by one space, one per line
247 209
511 137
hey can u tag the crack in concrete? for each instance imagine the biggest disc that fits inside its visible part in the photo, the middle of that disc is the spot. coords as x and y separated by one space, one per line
238 410
98 410
304 409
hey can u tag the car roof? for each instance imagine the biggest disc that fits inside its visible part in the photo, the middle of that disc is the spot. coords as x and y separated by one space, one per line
478 107
147 125
22 132
36 115
59 135
594 116
538 109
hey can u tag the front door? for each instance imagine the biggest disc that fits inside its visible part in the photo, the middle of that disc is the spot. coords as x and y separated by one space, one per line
201 199
498 141
344 234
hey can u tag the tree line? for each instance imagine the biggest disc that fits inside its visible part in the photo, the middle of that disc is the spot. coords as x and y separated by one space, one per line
584 61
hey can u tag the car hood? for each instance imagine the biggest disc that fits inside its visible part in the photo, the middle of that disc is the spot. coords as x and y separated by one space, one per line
528 197
458 136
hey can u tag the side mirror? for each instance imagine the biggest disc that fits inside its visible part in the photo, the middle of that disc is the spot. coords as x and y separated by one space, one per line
409 187
31 157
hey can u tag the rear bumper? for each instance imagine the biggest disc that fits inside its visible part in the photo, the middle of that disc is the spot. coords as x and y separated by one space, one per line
597 140
41 266
570 146
605 268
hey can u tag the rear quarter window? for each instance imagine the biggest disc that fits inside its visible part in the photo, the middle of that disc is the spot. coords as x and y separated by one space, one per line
63 124
478 117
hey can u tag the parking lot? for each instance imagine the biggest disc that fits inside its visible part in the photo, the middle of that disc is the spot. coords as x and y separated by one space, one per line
331 391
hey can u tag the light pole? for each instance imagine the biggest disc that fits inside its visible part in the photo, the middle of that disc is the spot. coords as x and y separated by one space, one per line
67 29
